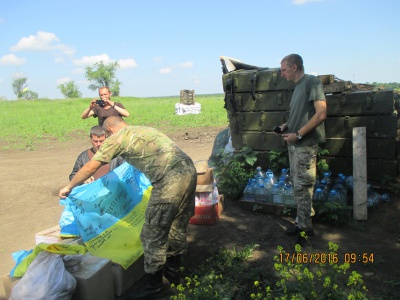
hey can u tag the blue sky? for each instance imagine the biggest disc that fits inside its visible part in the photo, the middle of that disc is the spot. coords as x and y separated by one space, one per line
166 46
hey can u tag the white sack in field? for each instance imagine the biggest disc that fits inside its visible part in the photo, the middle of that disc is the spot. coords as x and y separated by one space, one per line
184 109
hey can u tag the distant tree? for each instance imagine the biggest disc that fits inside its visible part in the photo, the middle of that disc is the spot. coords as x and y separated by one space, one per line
103 75
70 90
21 89
30 95
19 86
389 85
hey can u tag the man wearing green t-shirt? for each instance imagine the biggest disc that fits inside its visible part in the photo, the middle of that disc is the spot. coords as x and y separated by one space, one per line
303 132
172 201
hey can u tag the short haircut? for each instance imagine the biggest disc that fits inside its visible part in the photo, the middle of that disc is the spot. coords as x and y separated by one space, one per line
104 88
97 131
113 121
294 59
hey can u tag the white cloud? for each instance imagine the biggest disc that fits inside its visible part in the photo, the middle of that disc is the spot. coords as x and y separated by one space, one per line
90 60
300 2
1 80
165 71
78 71
2 21
42 41
62 80
186 65
12 59
67 50
59 60
127 63
158 59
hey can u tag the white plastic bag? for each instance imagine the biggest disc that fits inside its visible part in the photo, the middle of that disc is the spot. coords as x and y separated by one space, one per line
45 279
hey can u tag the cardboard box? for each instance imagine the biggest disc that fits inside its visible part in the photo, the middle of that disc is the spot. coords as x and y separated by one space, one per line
125 279
94 279
9 283
51 236
205 176
205 215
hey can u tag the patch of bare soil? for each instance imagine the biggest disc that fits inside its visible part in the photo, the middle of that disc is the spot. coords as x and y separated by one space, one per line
29 204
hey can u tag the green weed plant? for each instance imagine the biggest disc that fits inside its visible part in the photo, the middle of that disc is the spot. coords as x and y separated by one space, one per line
233 170
226 275
298 280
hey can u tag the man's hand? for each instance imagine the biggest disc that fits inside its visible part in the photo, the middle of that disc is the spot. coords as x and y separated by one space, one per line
64 192
93 103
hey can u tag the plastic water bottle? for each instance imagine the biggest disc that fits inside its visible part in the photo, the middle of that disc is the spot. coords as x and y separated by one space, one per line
385 197
248 193
269 180
374 198
341 187
327 178
324 186
334 196
349 183
287 195
319 195
276 194
259 172
284 176
274 176
268 191
260 193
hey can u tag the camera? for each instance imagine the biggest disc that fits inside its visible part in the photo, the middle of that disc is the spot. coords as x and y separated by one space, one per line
100 103
278 130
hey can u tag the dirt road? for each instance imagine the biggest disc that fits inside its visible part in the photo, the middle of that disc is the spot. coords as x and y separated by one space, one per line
30 181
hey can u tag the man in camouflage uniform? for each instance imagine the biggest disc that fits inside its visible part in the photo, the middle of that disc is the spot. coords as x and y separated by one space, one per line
174 178
303 132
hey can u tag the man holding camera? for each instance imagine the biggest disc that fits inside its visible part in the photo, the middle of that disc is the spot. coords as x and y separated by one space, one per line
303 132
103 108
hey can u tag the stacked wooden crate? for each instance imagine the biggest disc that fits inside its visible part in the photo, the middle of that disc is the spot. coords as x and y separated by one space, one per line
258 100
187 97
369 108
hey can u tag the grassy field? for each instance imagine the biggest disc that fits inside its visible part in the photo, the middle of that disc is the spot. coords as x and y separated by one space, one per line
27 122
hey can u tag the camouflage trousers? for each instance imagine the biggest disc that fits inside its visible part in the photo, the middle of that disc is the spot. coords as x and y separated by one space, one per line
303 170
167 215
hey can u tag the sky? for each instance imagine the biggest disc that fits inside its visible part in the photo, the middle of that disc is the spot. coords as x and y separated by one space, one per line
164 46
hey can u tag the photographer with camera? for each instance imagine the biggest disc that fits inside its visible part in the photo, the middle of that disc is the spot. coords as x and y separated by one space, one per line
103 108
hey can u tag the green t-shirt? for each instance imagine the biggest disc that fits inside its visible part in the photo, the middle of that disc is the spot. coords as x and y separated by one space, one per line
308 89
145 148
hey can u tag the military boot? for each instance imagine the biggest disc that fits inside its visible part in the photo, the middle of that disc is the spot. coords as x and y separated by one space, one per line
172 269
152 288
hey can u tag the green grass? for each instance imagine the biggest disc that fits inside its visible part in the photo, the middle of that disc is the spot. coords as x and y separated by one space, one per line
28 122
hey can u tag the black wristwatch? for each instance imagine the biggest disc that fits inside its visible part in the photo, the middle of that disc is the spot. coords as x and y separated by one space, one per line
299 137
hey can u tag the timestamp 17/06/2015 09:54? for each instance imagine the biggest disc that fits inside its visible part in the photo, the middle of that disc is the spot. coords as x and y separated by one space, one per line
322 258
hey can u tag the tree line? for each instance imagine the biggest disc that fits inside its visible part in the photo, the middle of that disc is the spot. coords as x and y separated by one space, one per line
98 75
101 74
